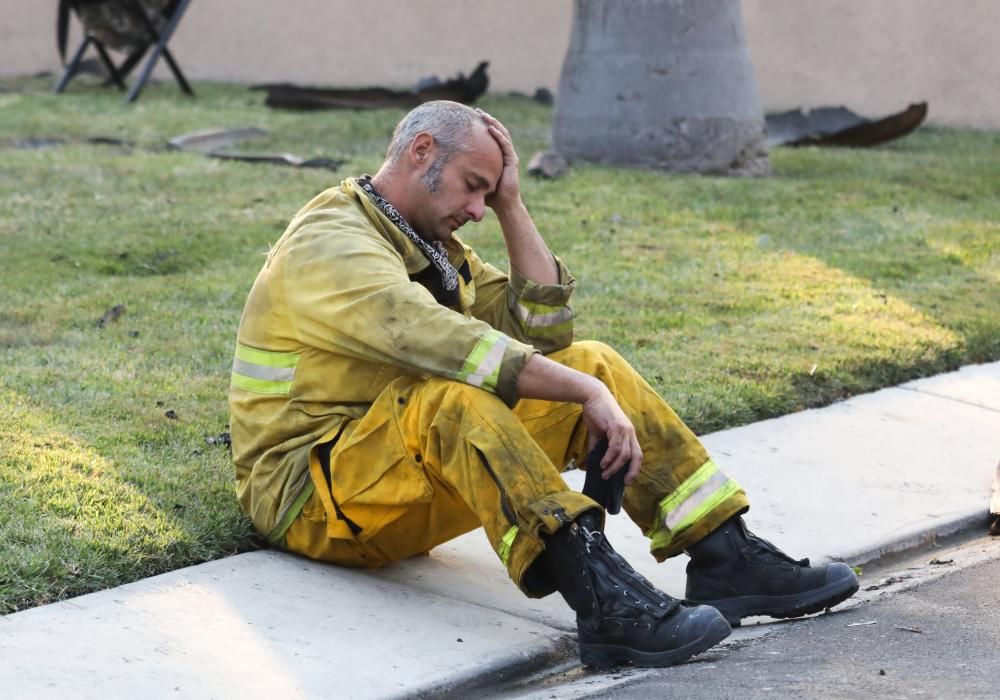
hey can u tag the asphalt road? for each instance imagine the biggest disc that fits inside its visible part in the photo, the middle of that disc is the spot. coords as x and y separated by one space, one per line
938 639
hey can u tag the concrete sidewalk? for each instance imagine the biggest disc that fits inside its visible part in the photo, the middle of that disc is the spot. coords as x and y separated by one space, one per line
855 480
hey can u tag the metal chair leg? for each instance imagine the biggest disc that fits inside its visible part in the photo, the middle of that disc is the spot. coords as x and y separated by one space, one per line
176 70
132 60
72 66
161 45
116 77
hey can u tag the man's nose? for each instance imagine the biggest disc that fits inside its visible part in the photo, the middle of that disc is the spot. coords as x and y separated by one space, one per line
476 209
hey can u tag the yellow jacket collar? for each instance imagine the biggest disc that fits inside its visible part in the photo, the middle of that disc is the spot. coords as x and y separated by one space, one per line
413 257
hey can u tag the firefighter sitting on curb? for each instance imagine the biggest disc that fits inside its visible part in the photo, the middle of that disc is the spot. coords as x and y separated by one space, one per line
392 391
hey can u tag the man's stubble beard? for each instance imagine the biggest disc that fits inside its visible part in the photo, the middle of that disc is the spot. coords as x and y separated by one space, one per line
432 178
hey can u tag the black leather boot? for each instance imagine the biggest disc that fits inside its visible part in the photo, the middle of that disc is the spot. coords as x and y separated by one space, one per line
620 616
741 575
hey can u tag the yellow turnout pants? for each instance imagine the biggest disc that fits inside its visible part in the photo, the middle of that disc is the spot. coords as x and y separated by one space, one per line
435 458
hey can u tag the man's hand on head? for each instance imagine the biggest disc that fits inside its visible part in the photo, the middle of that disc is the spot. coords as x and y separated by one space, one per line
527 251
508 191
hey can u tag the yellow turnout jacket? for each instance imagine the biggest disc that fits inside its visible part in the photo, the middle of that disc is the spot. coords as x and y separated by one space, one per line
337 313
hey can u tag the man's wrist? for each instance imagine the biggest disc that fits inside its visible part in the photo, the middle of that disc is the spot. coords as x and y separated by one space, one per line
591 388
511 210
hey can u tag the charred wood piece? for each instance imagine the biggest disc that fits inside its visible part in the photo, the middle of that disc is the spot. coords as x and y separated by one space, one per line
839 126
459 89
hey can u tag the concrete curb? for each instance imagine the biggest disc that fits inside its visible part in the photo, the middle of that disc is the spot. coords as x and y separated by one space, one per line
917 538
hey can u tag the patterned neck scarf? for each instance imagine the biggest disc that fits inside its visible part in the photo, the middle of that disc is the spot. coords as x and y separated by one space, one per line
435 252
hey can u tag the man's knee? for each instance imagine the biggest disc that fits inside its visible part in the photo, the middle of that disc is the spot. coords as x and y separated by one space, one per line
596 347
587 355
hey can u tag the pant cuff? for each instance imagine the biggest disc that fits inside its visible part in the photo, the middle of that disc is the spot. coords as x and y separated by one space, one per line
548 515
704 501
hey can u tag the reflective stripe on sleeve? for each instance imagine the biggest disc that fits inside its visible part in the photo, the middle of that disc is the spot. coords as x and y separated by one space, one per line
263 371
506 543
536 318
697 496
482 366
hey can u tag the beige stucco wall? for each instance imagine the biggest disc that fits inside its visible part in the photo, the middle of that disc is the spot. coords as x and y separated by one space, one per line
872 56
878 55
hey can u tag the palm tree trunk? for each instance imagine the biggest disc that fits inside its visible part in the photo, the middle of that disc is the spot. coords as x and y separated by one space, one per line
660 84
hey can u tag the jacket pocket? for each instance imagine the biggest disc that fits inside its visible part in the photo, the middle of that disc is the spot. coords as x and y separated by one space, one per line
373 479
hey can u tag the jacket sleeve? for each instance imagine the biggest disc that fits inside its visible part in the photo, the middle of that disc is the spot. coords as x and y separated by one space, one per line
357 299
537 314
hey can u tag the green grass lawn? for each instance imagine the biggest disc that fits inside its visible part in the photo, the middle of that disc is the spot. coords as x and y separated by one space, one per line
843 272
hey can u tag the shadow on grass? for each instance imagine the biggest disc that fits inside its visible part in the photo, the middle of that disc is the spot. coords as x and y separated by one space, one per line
76 521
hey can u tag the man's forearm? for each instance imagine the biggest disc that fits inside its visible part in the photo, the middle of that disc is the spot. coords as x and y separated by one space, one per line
541 378
527 251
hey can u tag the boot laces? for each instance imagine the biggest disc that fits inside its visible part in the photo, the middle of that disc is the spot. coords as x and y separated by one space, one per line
758 545
644 593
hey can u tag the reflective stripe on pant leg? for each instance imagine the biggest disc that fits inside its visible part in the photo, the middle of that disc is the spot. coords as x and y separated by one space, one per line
704 500
506 543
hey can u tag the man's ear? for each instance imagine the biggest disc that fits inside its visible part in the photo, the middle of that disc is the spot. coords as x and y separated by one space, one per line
421 150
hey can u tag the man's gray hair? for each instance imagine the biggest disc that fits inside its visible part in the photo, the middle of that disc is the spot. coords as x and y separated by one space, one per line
448 122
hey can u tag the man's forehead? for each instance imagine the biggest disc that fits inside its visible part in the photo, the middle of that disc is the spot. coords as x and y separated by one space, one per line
484 157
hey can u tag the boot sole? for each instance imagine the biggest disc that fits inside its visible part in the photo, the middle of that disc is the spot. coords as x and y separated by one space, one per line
805 603
608 655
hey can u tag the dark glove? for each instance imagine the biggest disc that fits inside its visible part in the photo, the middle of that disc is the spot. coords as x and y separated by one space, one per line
607 492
